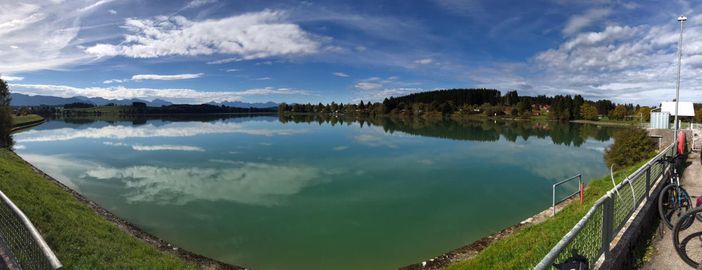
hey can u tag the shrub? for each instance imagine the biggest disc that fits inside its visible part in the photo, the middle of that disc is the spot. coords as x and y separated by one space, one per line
630 146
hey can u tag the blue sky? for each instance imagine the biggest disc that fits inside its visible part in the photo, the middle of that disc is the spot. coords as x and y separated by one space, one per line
320 51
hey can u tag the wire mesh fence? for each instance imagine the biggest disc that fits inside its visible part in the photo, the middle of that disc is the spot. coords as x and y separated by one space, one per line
21 246
592 235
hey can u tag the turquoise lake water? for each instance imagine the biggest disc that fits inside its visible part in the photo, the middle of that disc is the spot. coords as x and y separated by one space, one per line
272 193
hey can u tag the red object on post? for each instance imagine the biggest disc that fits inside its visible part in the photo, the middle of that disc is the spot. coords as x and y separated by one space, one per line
582 193
681 142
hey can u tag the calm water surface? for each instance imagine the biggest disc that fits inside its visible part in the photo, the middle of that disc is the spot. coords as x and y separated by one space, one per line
270 193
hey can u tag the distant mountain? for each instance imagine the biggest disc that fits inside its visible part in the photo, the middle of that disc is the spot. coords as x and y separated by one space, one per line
27 100
240 104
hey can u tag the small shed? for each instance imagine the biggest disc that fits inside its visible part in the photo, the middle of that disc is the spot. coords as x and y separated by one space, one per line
662 119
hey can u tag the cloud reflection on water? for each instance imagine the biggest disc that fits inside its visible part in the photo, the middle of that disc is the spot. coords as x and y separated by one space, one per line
243 182
149 130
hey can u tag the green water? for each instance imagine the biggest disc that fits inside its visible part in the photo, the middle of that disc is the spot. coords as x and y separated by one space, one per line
306 193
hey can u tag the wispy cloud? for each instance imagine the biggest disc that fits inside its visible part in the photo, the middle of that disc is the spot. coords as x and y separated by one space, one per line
368 86
248 36
263 78
424 61
140 77
581 21
176 95
9 78
340 74
114 81
199 3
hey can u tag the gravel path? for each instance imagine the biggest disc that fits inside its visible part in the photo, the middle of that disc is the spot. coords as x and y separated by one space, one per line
664 256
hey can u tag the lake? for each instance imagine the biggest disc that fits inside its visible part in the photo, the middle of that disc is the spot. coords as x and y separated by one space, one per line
308 193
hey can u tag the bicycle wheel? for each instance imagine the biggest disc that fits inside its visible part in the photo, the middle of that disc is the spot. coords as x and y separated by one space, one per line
672 202
687 238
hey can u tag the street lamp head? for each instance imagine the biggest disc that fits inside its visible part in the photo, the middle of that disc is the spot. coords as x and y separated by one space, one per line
682 18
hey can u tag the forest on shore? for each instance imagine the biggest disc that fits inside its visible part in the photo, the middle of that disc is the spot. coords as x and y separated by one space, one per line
487 102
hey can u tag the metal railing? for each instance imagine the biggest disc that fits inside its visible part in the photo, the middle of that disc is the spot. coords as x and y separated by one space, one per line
21 245
592 235
553 198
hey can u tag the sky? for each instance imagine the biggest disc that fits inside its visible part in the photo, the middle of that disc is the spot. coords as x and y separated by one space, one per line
199 51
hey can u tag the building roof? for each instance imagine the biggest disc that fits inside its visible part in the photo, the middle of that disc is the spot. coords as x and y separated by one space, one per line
684 108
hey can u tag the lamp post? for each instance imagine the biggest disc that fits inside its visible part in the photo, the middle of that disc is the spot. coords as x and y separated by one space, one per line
682 20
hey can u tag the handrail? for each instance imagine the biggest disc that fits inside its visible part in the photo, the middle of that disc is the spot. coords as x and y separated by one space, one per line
553 198
608 228
47 252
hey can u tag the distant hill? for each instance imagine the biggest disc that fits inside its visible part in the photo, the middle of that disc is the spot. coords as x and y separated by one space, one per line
27 100
240 104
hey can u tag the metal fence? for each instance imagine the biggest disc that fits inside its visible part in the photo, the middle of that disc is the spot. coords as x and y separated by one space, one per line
592 235
21 245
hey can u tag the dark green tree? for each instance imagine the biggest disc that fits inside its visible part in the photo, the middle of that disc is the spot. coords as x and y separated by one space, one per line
630 146
5 116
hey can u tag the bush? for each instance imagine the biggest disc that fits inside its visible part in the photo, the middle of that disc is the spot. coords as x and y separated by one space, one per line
630 146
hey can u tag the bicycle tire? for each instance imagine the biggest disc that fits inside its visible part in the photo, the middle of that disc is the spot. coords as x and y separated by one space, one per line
680 246
672 202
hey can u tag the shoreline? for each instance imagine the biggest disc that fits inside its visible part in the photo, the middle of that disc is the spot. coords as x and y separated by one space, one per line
620 124
203 262
469 251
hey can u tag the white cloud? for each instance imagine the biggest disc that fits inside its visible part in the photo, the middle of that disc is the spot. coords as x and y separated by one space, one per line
632 64
58 25
424 61
9 78
167 147
249 36
232 70
113 81
385 93
263 78
581 21
199 3
140 77
340 74
175 95
112 11
94 5
368 86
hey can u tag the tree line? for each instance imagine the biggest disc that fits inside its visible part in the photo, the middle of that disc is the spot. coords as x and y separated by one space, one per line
489 102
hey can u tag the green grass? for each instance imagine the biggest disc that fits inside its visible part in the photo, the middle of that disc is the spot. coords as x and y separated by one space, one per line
527 246
21 120
80 238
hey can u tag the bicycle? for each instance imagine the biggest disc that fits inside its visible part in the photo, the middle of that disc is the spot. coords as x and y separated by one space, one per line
687 237
673 199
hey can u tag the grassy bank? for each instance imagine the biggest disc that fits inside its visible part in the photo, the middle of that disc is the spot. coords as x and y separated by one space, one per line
24 119
526 247
80 238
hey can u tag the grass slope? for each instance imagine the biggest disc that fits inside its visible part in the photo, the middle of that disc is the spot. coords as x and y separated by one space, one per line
526 247
21 120
80 238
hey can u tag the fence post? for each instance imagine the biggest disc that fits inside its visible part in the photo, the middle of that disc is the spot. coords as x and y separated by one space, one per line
648 181
607 221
